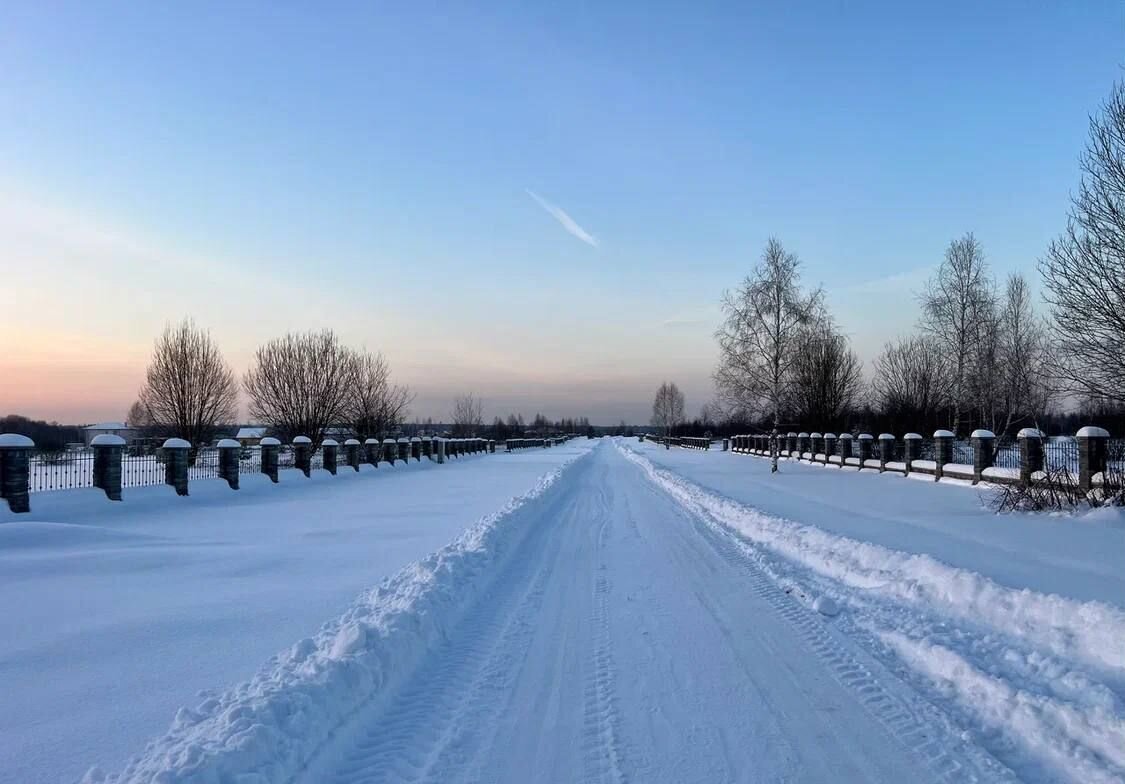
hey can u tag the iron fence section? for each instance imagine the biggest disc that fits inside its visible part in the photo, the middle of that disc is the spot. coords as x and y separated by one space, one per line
142 467
60 470
205 465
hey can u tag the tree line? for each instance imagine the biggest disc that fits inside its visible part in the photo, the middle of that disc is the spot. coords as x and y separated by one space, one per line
982 354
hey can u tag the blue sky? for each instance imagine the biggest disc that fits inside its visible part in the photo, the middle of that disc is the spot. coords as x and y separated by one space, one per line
396 171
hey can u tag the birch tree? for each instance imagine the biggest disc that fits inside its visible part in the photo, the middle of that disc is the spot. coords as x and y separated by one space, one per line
1084 269
667 407
761 333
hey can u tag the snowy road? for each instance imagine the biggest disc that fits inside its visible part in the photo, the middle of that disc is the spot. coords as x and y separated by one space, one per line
627 640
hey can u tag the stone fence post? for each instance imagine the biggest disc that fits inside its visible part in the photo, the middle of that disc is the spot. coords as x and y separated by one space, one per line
404 449
802 444
390 450
1093 455
845 447
911 448
229 450
829 446
863 443
886 450
15 471
351 453
330 450
302 454
440 450
943 451
428 447
815 440
108 452
371 447
491 446
984 452
271 448
790 443
1031 453
416 449
176 464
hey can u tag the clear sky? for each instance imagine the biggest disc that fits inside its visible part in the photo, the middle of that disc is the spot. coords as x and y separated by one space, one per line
537 202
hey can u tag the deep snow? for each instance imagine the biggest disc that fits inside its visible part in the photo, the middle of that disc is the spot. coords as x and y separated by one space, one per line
636 614
114 615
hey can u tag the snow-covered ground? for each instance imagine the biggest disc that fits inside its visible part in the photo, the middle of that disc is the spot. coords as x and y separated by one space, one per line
636 614
114 615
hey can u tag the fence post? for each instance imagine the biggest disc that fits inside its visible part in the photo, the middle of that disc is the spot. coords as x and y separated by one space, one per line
176 464
911 448
108 451
440 450
390 450
371 447
270 449
790 444
984 452
1031 453
943 452
428 447
802 444
845 446
404 449
302 454
829 446
886 450
1093 451
863 444
416 449
229 450
491 446
15 471
351 453
330 447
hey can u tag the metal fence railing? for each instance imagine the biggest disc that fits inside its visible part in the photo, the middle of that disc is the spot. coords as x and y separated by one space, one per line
140 468
61 470
205 464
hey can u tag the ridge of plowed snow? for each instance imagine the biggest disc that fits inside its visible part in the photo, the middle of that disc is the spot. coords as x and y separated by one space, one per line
265 730
1091 631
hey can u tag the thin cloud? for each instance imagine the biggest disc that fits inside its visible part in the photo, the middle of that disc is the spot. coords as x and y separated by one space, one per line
567 222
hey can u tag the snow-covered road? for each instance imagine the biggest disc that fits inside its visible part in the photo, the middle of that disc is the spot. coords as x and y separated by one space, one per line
627 640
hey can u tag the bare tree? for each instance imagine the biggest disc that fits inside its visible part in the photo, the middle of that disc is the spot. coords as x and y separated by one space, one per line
189 388
954 304
1025 357
1084 269
910 384
468 415
826 376
761 333
302 383
376 406
668 407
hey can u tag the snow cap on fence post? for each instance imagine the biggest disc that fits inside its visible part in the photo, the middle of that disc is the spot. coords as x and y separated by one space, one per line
943 451
229 449
1031 453
270 447
984 452
108 453
351 453
330 449
176 464
1093 452
911 449
302 454
15 471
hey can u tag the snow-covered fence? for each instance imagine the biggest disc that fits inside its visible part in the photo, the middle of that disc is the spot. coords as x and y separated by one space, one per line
110 465
1027 459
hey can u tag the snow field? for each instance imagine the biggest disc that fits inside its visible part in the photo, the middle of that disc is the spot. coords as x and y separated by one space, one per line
1039 677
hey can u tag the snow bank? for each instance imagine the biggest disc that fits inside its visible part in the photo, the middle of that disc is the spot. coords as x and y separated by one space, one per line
267 729
1066 737
1091 631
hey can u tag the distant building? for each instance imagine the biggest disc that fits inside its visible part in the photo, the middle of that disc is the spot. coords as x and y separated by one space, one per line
251 436
91 432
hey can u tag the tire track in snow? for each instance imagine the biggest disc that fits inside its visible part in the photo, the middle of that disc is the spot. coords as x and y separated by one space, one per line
921 728
602 753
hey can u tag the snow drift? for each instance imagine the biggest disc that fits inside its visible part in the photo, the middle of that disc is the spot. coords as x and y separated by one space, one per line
267 729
